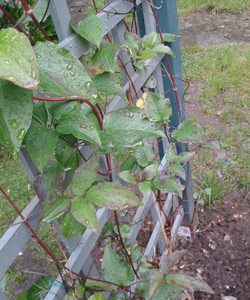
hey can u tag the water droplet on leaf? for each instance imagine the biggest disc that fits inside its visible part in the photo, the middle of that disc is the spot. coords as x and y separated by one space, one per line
21 134
69 67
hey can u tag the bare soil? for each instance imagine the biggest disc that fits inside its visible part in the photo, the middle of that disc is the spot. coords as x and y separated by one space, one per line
220 252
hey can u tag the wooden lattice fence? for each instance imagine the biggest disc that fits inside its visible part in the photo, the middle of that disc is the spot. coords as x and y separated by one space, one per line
80 246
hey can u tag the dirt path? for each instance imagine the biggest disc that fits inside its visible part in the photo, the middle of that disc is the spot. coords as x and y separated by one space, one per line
215 29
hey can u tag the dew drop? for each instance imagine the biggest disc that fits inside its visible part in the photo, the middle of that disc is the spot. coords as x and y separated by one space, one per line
91 127
72 73
27 70
38 56
31 58
52 53
12 78
86 222
69 67
7 62
21 134
13 123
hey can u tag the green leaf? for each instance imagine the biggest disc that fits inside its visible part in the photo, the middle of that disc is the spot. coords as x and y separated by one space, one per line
126 127
113 196
40 9
147 54
5 136
66 155
149 40
188 131
77 293
168 260
40 288
144 187
70 226
126 176
160 48
180 158
78 124
114 270
139 64
187 282
132 41
90 28
150 171
97 285
97 296
16 106
61 73
106 56
49 184
17 59
157 108
177 170
85 176
40 112
129 164
124 230
40 143
106 84
169 184
166 292
155 282
167 37
22 296
144 154
84 212
55 209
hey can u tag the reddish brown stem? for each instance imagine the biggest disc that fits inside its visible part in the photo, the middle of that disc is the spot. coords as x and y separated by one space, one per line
44 246
14 23
73 99
29 12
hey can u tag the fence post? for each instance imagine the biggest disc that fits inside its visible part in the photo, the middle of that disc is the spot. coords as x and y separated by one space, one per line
166 12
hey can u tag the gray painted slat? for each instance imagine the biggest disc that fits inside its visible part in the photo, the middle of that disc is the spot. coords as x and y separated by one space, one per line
61 16
3 297
139 217
28 164
157 230
78 46
16 237
177 223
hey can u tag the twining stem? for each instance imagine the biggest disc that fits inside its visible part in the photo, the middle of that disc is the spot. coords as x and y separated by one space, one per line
108 160
121 62
72 99
29 12
14 23
45 247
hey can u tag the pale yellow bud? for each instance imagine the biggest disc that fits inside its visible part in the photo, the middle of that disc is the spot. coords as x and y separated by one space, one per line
140 103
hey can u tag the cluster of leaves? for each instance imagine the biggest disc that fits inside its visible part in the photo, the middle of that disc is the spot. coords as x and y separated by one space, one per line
148 47
16 10
53 131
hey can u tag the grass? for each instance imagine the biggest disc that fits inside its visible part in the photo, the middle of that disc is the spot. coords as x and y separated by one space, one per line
217 6
16 184
223 74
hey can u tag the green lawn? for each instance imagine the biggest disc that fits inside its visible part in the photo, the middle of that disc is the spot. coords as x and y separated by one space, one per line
231 6
224 77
